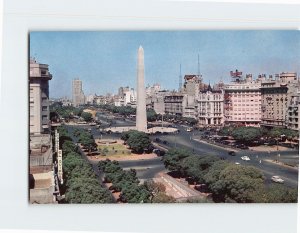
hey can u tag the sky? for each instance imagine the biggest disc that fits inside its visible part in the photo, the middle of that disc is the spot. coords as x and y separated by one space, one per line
107 60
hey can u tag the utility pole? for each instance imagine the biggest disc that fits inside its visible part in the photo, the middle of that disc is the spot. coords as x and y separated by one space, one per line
180 79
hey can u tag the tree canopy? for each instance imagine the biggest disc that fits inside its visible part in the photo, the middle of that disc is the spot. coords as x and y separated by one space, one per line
137 141
81 185
246 134
87 116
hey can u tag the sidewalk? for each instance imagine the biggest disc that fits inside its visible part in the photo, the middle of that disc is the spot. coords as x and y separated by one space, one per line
280 164
215 145
264 148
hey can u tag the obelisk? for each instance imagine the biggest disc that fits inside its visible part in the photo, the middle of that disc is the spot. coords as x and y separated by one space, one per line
141 117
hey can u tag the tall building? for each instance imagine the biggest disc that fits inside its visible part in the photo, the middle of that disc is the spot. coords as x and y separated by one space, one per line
242 101
190 93
156 102
173 104
77 93
210 108
39 77
276 95
41 176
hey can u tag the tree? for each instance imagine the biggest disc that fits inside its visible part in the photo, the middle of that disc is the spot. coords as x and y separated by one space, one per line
226 131
87 140
241 184
138 141
135 194
87 190
87 116
278 193
196 167
173 157
151 115
246 134
68 147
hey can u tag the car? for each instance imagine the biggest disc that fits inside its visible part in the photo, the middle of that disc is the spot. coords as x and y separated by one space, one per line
243 147
237 163
189 129
245 158
157 140
232 153
277 179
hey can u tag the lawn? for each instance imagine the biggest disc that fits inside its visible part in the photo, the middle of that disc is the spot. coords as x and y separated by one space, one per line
113 149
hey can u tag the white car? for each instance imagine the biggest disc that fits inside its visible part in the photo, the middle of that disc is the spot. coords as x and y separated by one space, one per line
237 163
277 179
245 158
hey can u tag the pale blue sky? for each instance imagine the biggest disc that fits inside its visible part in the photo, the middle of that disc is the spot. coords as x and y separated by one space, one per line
106 60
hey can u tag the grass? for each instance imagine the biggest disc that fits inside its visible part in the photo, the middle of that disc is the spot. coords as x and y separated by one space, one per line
114 149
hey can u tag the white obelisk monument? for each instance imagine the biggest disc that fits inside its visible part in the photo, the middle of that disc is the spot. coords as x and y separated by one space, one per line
141 117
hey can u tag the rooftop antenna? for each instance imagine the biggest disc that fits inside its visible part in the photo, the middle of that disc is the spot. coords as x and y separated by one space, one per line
180 79
199 74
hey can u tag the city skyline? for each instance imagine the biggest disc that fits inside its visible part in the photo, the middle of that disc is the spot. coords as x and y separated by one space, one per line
104 61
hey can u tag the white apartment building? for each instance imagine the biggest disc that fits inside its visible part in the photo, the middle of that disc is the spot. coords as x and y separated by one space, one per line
211 108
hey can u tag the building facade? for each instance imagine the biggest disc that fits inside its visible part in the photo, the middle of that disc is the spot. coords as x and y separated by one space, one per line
41 176
242 102
276 95
293 111
77 93
156 102
173 104
211 108
39 77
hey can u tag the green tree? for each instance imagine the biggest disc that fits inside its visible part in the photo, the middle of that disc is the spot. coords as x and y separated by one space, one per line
68 147
151 115
173 157
226 131
138 141
134 193
87 116
277 193
239 184
246 134
196 167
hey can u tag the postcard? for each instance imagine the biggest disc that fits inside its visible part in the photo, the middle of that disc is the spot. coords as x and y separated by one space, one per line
163 116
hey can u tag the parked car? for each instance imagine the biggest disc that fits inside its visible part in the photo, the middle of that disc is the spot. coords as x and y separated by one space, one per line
277 179
157 140
232 153
245 158
242 146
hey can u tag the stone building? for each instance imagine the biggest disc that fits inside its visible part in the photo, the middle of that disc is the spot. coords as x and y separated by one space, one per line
276 95
210 108
173 104
242 102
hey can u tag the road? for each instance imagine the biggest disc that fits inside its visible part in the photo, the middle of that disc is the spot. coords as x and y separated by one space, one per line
185 139
188 140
